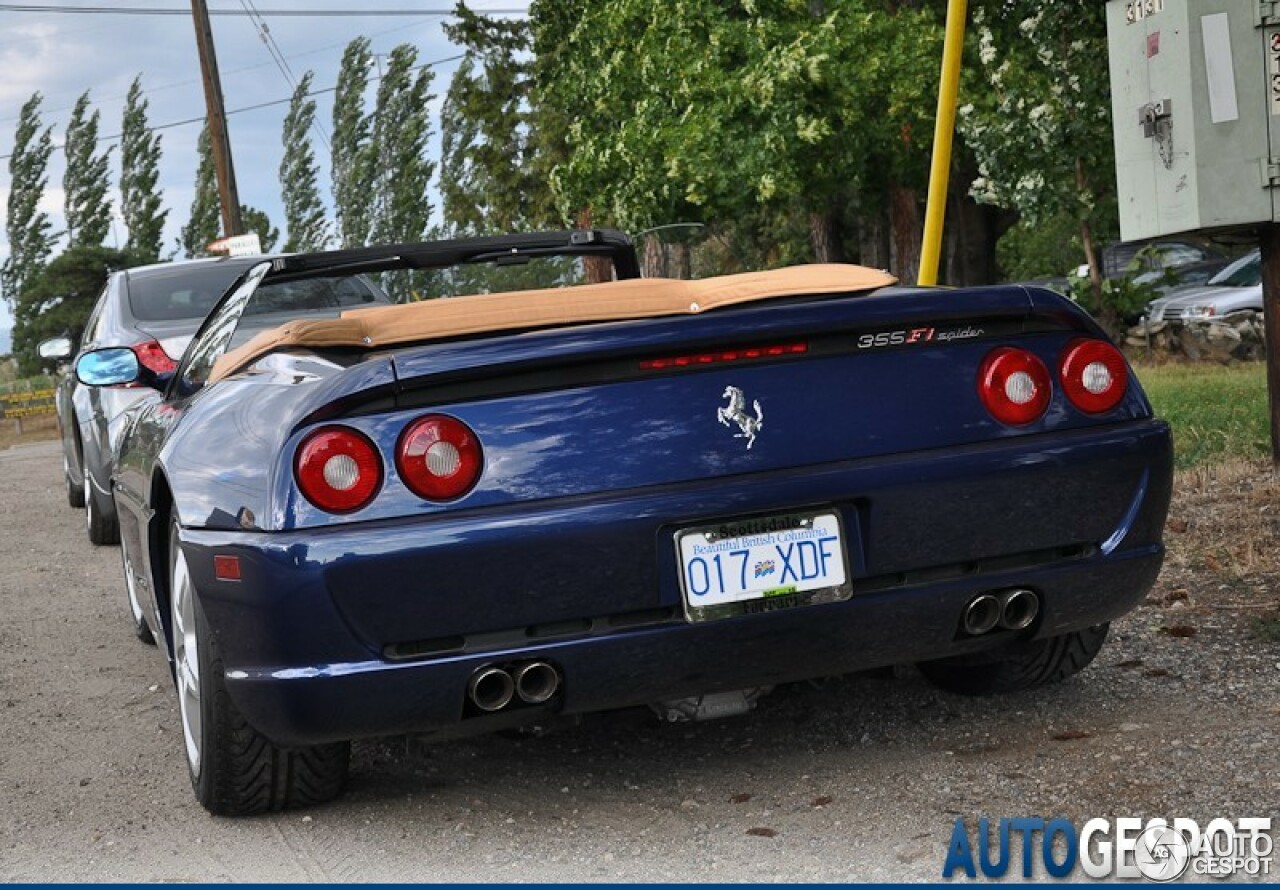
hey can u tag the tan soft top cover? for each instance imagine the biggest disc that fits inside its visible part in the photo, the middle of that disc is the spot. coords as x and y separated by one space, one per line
385 326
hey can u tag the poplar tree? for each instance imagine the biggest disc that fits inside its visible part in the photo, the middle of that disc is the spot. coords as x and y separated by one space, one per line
26 226
205 222
351 164
486 126
58 299
401 133
85 181
139 172
257 222
299 174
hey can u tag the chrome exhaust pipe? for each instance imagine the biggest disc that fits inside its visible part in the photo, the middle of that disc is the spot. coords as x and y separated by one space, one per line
981 615
491 689
536 681
1018 608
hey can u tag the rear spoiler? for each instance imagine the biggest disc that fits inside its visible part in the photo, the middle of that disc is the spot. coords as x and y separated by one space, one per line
606 243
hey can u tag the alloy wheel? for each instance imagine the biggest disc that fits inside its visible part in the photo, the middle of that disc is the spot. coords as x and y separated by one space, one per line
186 658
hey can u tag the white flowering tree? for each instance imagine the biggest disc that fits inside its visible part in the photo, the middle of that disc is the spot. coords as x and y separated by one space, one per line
1040 125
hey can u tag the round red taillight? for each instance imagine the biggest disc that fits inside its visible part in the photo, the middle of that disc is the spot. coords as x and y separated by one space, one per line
439 458
338 469
1014 386
1094 375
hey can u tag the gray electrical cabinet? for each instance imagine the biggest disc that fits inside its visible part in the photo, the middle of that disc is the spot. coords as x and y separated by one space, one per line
1195 94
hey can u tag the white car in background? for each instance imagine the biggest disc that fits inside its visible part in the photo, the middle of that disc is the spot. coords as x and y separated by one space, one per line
1236 288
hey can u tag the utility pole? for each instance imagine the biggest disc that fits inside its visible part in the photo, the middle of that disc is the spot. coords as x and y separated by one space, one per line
1269 236
225 173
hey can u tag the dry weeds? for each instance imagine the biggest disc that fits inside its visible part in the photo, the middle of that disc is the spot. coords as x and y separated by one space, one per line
40 428
1224 526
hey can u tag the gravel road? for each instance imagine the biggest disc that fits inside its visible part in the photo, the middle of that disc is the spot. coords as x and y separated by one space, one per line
855 779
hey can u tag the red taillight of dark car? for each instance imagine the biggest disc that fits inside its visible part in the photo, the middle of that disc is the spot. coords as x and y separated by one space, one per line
338 469
1014 385
1094 375
151 355
439 458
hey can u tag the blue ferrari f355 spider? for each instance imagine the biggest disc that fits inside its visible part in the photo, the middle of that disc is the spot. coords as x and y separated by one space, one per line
468 514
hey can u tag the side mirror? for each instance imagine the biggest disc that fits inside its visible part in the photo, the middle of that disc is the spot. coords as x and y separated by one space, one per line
113 366
56 350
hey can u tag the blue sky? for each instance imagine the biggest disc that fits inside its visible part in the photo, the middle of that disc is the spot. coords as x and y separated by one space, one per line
62 55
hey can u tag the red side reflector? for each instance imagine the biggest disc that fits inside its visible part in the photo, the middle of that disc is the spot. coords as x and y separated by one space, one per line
723 356
226 568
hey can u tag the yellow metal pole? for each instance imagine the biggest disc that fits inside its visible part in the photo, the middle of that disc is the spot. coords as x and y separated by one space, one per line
943 129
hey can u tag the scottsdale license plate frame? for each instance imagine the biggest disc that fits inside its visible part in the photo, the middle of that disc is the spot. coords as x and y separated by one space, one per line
761 537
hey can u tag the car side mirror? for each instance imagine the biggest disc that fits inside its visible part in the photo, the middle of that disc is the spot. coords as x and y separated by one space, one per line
113 366
57 349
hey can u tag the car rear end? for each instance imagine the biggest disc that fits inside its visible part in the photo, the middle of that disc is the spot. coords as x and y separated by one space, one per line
584 518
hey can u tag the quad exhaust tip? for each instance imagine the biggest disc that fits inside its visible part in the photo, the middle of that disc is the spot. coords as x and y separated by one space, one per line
1018 608
981 615
536 682
1014 609
491 689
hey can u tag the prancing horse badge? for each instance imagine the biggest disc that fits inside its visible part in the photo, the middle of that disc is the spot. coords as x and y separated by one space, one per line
736 411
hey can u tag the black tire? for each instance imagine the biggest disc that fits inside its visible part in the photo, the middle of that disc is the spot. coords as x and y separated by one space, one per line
75 485
1023 665
103 530
236 771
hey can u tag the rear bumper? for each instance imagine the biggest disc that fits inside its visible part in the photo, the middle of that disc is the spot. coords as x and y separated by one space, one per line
310 635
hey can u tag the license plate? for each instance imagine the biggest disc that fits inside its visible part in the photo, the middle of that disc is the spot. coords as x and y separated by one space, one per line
760 565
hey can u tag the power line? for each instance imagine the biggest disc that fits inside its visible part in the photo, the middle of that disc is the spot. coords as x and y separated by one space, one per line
258 107
282 63
293 13
151 90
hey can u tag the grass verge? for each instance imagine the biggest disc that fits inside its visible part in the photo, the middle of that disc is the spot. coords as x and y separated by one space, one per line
1216 412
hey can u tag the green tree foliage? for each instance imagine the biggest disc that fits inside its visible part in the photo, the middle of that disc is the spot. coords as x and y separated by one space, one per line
85 182
204 224
58 299
304 216
1048 248
140 201
401 133
351 166
486 181
26 226
257 222
1039 122
706 110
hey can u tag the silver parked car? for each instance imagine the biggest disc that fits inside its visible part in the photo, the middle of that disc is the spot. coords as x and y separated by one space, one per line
154 310
1235 288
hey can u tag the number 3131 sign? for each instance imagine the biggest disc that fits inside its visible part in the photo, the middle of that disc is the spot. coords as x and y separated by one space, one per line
1273 69
1137 10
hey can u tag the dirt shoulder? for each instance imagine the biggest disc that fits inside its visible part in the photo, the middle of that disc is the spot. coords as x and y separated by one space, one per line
859 778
